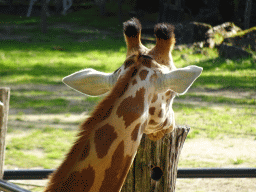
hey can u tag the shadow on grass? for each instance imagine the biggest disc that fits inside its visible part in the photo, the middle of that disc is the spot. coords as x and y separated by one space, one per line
41 74
85 16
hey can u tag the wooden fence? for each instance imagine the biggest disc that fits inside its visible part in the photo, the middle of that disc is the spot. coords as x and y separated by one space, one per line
4 109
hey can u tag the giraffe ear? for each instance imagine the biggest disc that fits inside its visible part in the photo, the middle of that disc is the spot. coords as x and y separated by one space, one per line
179 80
91 82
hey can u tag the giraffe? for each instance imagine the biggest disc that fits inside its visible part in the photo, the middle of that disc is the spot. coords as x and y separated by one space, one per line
139 100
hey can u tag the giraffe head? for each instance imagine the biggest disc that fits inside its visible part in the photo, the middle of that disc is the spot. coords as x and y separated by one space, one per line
154 71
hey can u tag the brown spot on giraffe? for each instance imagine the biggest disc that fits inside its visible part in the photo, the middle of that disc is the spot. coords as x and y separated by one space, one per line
147 62
152 110
103 139
116 173
155 97
131 108
128 63
135 132
160 114
168 93
76 181
143 74
85 177
134 82
153 77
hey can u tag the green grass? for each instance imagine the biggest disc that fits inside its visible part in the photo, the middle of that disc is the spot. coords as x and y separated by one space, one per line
219 73
41 63
38 147
213 121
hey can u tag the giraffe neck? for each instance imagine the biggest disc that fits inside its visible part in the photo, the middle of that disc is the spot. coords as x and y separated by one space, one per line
107 144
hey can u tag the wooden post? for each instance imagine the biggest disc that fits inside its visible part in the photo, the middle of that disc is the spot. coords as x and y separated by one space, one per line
162 155
177 140
4 108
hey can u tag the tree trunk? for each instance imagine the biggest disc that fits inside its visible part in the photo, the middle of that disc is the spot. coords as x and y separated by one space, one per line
4 109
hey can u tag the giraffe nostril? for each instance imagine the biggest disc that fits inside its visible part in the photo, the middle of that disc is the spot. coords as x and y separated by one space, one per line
156 173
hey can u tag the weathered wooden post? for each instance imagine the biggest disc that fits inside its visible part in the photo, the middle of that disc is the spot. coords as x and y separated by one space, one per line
177 140
158 158
4 109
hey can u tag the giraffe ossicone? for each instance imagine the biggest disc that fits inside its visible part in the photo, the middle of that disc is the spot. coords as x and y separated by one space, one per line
139 100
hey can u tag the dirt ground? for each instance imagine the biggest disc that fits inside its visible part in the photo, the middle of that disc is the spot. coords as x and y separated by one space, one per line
222 151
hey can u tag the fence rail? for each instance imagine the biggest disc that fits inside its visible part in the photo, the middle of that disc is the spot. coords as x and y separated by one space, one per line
9 187
182 173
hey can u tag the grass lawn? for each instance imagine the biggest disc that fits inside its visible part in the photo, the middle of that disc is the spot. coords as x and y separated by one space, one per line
221 102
